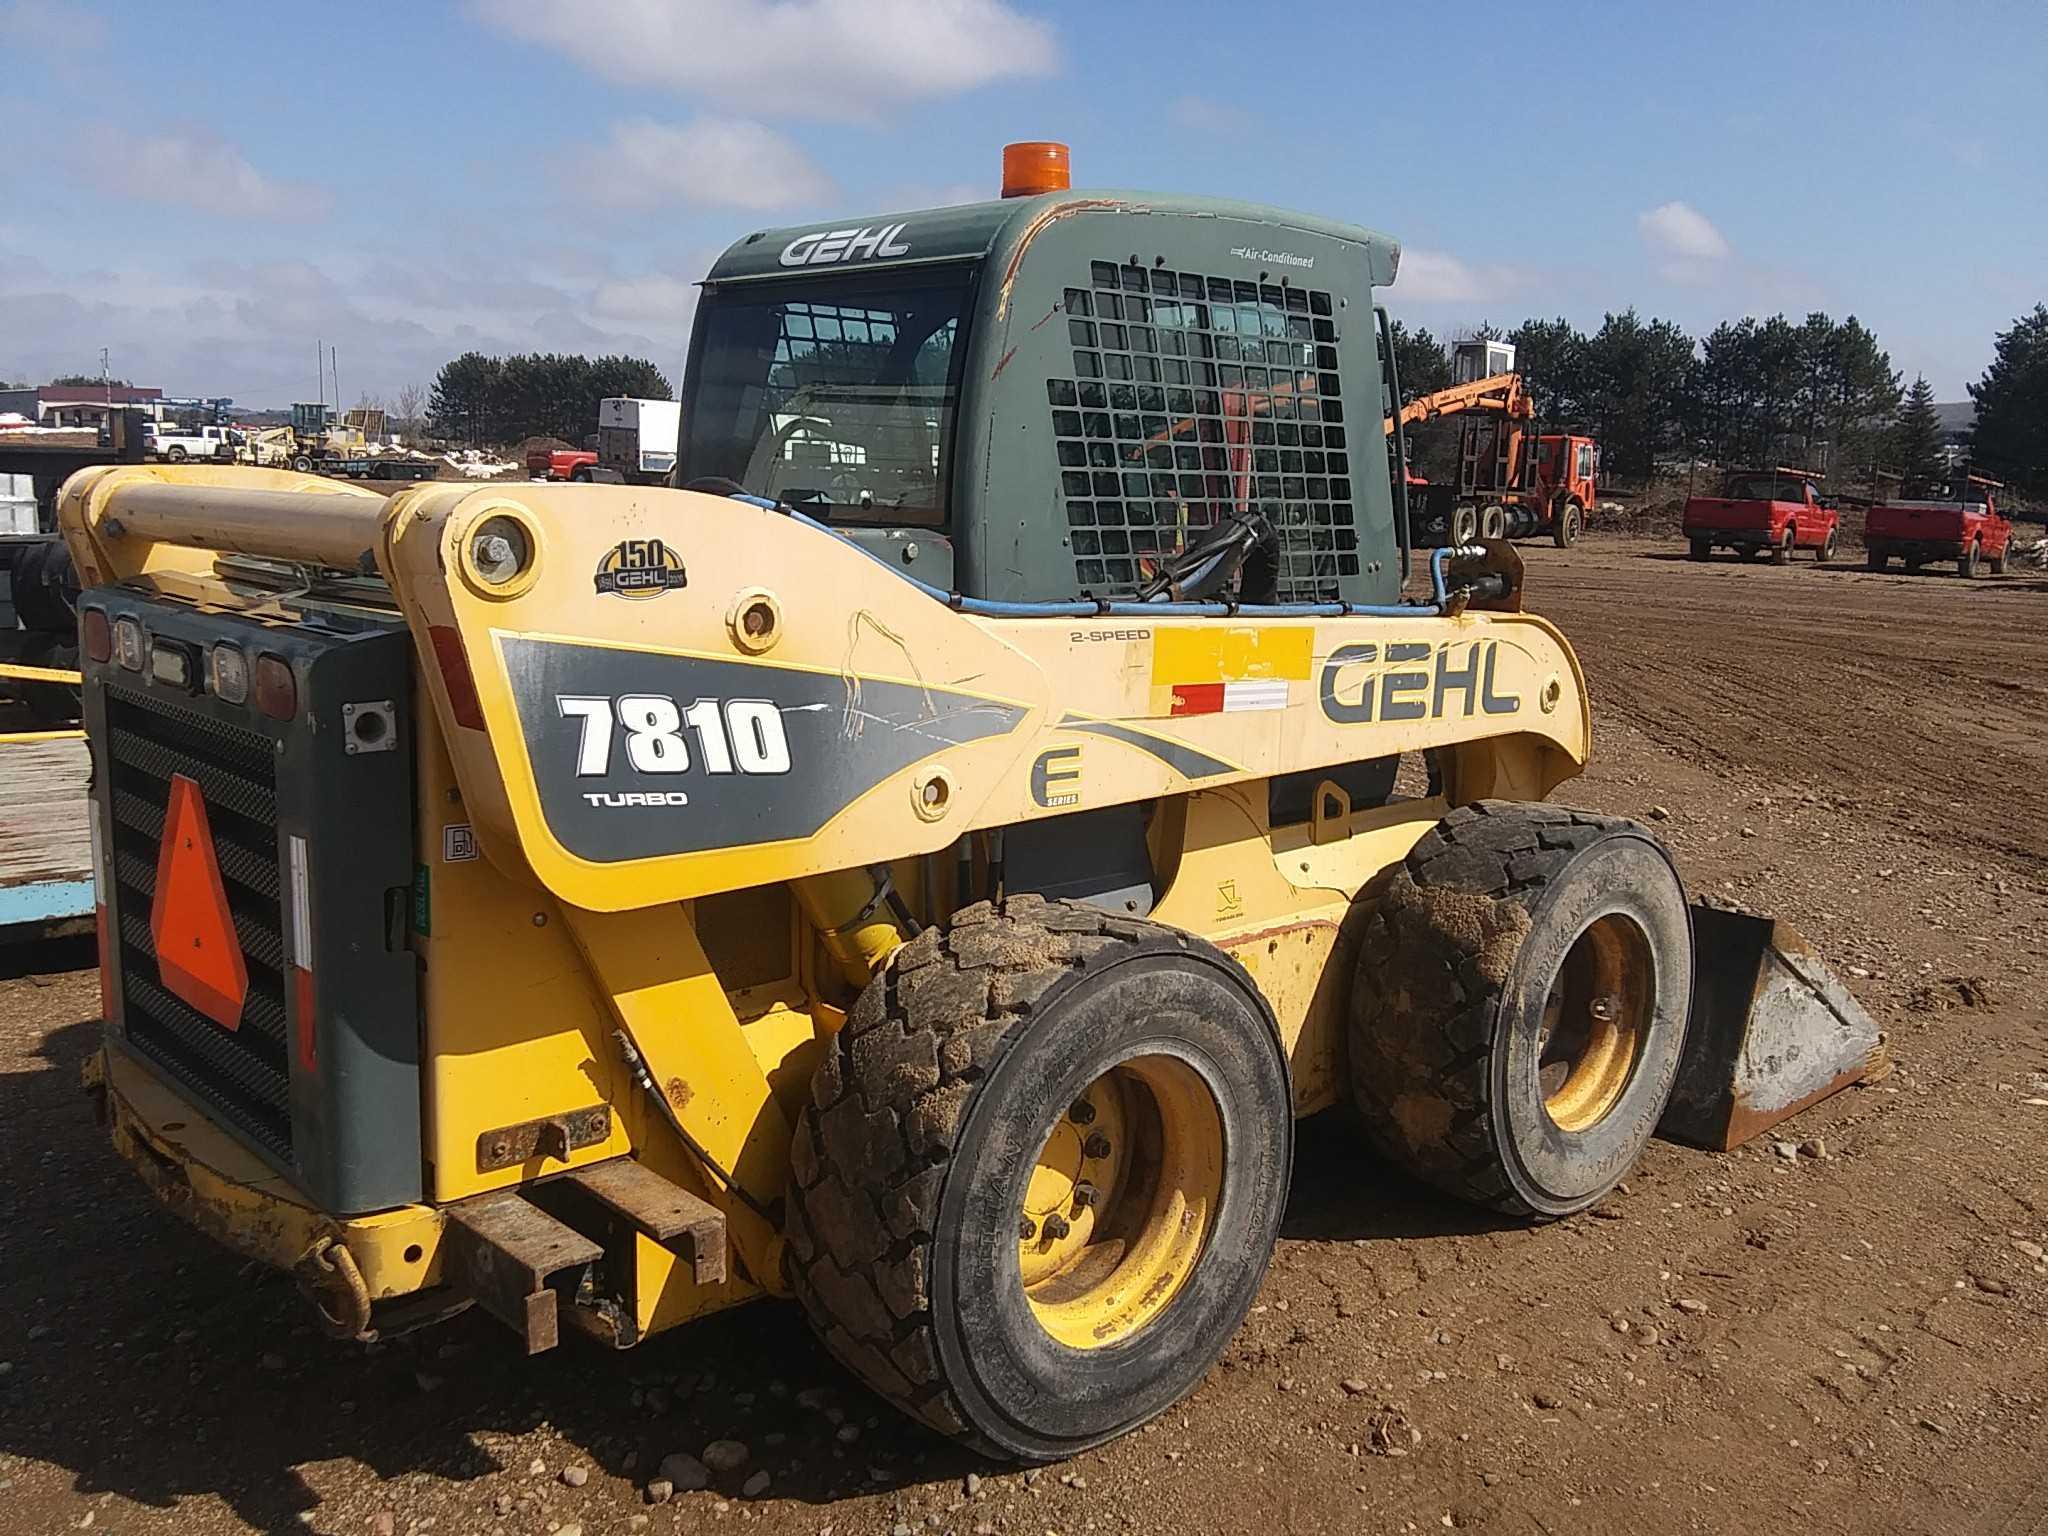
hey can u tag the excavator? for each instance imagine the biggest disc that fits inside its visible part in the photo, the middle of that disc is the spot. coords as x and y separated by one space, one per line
1512 481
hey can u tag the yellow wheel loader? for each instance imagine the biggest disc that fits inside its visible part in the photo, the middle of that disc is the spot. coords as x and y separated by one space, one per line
921 863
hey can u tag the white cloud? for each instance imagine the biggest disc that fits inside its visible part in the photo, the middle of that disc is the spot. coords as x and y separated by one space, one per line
246 328
191 167
811 58
647 301
1437 277
52 26
713 160
1688 247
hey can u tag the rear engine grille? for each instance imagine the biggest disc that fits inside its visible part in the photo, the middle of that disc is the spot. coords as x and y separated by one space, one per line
243 1073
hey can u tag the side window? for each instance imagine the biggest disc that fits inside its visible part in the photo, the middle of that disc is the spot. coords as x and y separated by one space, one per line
1585 457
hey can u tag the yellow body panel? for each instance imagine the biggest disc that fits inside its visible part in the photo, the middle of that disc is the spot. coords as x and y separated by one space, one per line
724 963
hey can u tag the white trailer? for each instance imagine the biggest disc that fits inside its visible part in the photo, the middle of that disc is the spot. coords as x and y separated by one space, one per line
636 439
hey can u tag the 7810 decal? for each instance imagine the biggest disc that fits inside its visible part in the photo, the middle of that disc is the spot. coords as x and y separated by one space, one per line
730 735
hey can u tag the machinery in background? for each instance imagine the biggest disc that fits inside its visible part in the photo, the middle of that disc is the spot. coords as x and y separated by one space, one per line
1513 482
636 439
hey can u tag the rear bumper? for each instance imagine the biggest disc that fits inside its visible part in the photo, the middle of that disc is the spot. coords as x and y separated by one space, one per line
221 1187
1916 549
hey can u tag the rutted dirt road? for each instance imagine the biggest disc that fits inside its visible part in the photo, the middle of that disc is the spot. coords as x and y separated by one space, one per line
1851 1341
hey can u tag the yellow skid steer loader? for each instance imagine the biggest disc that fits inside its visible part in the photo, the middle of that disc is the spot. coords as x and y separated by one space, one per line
922 862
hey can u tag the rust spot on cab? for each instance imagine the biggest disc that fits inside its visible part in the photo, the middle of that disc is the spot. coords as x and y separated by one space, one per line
678 1093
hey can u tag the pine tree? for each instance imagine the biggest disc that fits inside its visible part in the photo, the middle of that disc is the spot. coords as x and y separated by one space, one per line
2010 439
1917 441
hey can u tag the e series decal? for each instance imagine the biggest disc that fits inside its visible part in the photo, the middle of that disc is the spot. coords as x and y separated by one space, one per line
640 568
1411 680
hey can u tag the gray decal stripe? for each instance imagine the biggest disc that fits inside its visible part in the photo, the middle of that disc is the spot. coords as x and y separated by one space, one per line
1177 755
657 754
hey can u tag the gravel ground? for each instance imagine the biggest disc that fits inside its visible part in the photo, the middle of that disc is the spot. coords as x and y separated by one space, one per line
1848 1338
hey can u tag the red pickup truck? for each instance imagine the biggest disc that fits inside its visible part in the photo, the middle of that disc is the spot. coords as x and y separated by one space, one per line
560 464
1966 529
1779 510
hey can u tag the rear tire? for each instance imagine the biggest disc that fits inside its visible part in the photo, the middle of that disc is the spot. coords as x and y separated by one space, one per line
1493 523
303 464
1966 563
1877 558
1464 525
174 454
1702 549
943 1119
1781 552
1481 1058
1569 521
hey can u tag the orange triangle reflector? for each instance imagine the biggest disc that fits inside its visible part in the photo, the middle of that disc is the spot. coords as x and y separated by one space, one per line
197 953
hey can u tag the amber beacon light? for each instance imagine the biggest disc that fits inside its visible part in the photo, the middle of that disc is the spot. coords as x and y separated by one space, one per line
1036 166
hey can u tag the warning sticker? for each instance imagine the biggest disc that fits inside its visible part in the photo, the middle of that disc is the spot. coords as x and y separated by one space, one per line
458 843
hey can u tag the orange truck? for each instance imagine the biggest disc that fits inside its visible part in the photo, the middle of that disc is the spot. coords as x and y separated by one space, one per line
1759 510
1967 528
1512 481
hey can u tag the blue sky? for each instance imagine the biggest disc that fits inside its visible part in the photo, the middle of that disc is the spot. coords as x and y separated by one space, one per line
207 192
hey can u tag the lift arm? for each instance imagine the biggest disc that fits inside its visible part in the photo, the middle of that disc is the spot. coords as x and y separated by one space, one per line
1501 394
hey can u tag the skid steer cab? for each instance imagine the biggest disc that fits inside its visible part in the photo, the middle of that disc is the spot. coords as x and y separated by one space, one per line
921 864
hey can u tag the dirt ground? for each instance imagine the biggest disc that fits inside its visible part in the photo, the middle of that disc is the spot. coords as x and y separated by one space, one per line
1849 1341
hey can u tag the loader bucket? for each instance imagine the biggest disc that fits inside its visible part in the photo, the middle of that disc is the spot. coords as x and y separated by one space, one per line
1772 1031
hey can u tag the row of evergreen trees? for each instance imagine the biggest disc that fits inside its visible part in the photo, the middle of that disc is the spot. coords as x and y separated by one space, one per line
1819 391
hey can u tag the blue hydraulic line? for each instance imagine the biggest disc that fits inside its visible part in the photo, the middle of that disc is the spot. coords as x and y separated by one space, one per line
1092 608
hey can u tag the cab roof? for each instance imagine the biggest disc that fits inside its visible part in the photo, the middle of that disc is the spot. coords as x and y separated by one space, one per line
970 231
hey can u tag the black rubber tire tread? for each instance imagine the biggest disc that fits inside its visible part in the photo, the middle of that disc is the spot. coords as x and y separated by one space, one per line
888 1100
1702 549
1498 848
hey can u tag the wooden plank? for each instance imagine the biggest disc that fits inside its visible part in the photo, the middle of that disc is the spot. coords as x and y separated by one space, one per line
45 836
664 1210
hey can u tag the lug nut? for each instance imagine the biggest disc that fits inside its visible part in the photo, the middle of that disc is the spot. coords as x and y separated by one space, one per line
1083 1113
1096 1145
1056 1226
1084 1195
1027 1229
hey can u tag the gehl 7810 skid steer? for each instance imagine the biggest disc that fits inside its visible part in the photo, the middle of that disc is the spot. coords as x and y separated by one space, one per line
922 863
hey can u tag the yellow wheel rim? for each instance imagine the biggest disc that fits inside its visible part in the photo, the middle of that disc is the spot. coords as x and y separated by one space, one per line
1121 1202
1593 1024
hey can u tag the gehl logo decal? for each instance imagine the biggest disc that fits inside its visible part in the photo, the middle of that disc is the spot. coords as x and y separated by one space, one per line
1412 681
640 568
824 246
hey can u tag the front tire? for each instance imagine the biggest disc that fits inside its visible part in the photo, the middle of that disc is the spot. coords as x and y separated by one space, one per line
939 1236
1569 521
1520 1005
1997 562
1826 552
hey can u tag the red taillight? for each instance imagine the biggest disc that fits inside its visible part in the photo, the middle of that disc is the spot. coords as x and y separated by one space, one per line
273 687
463 703
96 634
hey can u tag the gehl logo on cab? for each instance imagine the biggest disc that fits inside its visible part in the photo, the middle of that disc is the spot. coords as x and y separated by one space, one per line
824 246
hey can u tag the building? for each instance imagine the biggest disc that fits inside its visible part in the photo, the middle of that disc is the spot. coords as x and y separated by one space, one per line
81 405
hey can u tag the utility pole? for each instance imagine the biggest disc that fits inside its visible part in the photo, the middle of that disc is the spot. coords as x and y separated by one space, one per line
106 379
320 367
